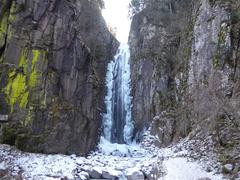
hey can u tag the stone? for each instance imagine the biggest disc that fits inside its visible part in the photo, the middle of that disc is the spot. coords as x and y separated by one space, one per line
112 174
73 156
150 173
133 174
3 118
209 169
95 172
3 172
227 168
236 176
84 175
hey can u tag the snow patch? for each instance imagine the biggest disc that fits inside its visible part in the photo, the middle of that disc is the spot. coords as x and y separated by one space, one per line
173 163
179 168
2 166
109 148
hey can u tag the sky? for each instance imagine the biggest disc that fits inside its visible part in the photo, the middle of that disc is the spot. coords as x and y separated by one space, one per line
116 14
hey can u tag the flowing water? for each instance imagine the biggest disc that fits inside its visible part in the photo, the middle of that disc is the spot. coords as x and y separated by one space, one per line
117 121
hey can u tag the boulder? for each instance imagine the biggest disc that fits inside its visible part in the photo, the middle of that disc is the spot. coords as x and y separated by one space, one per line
3 118
133 174
84 175
95 172
112 174
227 168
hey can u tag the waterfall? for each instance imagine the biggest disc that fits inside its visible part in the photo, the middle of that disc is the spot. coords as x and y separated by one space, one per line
117 121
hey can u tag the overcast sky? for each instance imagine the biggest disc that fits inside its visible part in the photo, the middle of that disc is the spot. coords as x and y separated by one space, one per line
116 14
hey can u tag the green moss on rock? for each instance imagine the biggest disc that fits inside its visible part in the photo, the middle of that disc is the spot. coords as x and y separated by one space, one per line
32 81
12 17
23 79
7 17
3 29
9 135
16 90
23 140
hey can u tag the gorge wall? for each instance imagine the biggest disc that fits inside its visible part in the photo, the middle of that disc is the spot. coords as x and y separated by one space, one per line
53 61
185 71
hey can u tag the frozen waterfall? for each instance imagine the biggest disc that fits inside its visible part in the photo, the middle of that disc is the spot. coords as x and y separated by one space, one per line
117 121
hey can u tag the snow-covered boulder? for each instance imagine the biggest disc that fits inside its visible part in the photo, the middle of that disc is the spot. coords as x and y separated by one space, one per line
227 168
95 172
112 174
134 173
84 175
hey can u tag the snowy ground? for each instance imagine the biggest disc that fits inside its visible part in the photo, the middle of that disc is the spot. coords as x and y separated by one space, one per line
178 167
170 163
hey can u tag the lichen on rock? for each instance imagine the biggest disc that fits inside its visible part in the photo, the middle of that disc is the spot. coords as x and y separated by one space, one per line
23 79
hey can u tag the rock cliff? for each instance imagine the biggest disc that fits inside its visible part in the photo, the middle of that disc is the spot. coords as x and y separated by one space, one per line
53 60
160 45
185 72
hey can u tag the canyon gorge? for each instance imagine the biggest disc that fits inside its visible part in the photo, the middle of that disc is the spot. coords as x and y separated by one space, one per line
69 86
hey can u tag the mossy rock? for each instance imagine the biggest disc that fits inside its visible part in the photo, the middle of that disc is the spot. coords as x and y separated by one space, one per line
21 141
23 80
24 140
235 17
9 135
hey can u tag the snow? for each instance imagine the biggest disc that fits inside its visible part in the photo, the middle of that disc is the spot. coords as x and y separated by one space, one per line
180 168
2 165
113 159
40 166
109 148
52 165
178 163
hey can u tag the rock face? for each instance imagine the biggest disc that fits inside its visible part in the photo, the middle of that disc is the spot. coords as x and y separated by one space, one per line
185 71
53 60
155 42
